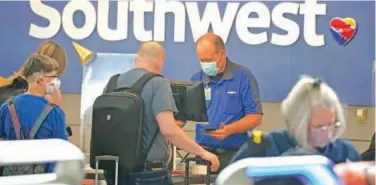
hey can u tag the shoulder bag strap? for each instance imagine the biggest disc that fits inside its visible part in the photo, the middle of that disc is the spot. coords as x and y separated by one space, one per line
38 123
139 85
112 84
137 88
15 120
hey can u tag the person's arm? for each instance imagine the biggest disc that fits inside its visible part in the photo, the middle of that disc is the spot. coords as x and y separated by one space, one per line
163 106
251 106
180 124
3 111
176 135
346 150
59 128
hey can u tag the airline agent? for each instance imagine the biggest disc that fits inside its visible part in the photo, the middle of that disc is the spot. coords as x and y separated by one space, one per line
232 98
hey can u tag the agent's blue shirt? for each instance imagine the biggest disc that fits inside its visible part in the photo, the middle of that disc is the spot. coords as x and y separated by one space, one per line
28 108
229 97
338 151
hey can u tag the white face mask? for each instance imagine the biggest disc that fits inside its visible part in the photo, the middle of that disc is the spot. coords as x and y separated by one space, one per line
53 86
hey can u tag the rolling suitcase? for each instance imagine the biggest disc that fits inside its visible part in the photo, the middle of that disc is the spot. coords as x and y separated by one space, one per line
187 169
107 158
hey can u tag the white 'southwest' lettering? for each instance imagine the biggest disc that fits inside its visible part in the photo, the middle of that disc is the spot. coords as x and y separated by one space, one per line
235 13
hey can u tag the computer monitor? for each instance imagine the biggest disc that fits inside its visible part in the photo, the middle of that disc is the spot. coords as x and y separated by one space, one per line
190 100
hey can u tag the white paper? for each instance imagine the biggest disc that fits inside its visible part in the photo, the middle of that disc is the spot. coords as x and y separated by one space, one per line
95 77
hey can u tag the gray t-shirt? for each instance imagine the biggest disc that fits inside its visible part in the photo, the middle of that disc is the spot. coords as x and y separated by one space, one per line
157 97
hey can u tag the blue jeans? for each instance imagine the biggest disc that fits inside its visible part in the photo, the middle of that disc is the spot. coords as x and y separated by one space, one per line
161 177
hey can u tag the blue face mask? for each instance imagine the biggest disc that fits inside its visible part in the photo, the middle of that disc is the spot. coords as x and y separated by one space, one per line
209 68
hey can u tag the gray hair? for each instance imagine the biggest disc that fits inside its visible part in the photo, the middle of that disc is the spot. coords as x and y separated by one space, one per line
296 109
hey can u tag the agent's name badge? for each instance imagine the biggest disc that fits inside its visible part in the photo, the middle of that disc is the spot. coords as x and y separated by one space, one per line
207 93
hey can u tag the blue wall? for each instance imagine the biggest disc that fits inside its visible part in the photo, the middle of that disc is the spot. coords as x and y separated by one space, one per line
347 69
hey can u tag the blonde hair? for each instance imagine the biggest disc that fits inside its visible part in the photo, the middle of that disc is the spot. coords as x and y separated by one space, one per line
48 48
309 93
8 81
53 50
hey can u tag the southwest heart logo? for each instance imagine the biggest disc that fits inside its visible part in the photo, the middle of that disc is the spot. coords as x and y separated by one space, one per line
343 30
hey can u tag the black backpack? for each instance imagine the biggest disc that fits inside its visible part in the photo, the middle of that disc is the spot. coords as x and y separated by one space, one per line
118 128
18 86
8 92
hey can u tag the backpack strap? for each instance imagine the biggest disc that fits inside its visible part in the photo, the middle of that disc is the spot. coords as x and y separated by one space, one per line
15 120
137 89
38 123
112 84
139 85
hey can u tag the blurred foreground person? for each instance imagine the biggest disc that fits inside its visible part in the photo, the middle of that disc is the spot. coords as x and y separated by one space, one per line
31 115
360 173
315 121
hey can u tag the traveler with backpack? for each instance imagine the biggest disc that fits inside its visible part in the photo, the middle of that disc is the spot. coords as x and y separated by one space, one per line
134 118
16 84
31 115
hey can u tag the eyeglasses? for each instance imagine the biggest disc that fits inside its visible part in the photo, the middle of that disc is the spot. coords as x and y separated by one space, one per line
51 76
329 127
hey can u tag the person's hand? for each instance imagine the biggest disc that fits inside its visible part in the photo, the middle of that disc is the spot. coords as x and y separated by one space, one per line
180 124
213 159
55 98
221 133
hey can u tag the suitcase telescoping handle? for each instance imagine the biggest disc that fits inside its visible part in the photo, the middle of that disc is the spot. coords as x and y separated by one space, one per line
107 158
193 159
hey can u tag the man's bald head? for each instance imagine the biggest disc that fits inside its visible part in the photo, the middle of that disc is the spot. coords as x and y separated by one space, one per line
213 39
151 51
151 57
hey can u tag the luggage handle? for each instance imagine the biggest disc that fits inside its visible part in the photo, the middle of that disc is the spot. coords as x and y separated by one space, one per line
106 158
195 159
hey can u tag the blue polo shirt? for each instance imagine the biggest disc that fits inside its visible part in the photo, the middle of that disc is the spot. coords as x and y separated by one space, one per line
229 97
28 108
